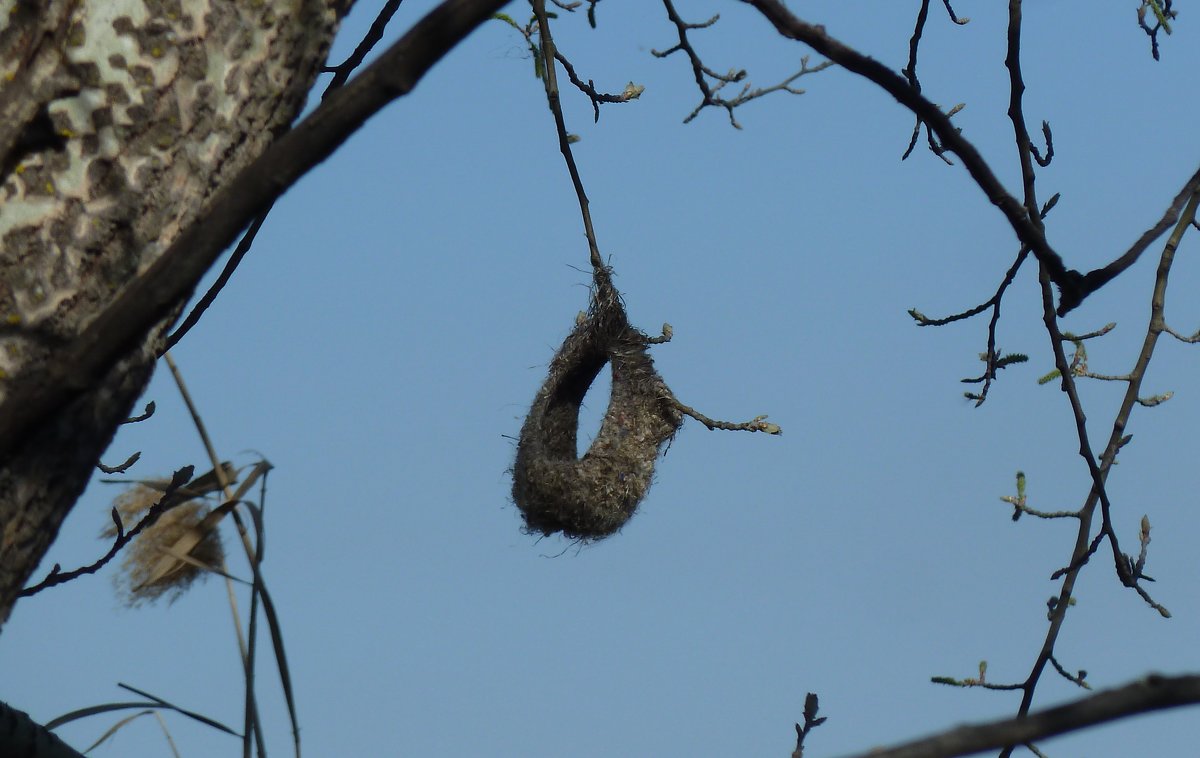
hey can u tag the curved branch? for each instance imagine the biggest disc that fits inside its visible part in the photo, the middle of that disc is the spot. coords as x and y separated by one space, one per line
1069 282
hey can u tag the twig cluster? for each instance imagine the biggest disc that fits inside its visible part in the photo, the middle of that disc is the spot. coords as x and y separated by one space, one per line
710 92
1026 218
1181 212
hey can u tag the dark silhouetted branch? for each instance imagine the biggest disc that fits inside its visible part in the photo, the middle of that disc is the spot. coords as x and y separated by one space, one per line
1069 282
1149 694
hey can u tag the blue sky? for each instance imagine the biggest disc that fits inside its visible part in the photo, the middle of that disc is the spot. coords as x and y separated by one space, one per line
382 342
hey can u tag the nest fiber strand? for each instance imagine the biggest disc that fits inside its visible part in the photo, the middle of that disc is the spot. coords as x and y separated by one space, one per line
592 496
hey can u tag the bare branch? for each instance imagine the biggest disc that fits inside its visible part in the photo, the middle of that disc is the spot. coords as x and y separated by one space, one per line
1097 278
631 92
146 413
169 498
1069 282
341 72
991 356
1078 678
553 99
756 424
910 73
120 468
1149 694
703 73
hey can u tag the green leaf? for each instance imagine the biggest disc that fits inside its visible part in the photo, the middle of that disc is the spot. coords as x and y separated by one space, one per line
1010 359
539 69
506 19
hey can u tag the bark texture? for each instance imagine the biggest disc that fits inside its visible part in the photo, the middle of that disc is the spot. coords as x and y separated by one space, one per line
119 121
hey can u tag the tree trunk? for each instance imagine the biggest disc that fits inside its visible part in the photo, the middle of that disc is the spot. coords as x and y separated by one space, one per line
21 737
119 120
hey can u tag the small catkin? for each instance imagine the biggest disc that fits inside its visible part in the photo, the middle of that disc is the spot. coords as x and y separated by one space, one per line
592 496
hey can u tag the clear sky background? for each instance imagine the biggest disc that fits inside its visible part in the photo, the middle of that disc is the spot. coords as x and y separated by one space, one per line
383 340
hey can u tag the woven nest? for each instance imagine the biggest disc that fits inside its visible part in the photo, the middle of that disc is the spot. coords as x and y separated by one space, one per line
592 496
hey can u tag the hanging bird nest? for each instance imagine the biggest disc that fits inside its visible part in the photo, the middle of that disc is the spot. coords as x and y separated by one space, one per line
592 496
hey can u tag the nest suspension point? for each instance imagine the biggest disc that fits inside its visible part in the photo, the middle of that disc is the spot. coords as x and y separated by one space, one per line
592 496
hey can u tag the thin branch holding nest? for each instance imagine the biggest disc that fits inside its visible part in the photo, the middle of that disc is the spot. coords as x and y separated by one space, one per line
593 496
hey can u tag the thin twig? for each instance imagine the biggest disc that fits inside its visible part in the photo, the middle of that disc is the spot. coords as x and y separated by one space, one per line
57 576
589 88
1020 508
703 73
341 73
1077 679
756 424
210 295
120 468
550 80
991 355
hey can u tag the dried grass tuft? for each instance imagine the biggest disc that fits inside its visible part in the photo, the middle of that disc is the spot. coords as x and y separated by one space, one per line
133 582
593 496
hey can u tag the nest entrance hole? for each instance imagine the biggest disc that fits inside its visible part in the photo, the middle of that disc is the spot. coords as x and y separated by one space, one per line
564 407
592 410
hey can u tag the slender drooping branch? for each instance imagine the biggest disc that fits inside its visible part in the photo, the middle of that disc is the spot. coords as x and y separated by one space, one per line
553 100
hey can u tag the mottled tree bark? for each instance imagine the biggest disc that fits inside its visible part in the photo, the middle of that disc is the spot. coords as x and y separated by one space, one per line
119 121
